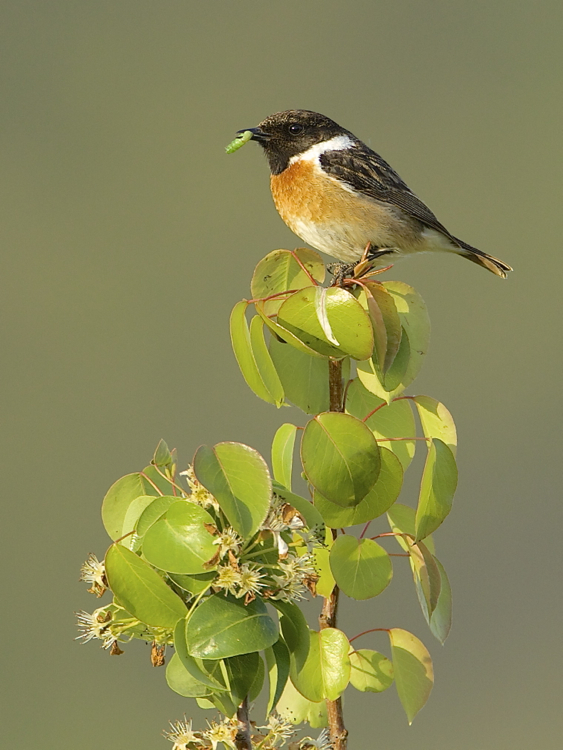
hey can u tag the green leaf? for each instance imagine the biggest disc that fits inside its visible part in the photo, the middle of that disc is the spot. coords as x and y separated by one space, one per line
427 579
141 590
134 513
162 456
282 453
326 582
181 681
179 542
402 521
295 708
436 421
246 355
439 482
283 333
194 584
266 367
257 682
277 662
241 673
416 332
282 270
340 457
394 420
389 319
157 481
331 321
362 568
152 512
371 671
222 626
238 478
441 619
414 675
295 631
326 671
379 499
206 672
118 499
304 378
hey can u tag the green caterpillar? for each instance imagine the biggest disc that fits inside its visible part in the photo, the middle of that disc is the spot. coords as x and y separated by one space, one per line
239 142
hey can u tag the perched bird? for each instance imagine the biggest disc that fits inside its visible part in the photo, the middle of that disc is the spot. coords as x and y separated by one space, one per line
338 195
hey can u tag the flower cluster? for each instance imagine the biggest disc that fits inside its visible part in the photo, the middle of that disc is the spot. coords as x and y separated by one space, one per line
198 493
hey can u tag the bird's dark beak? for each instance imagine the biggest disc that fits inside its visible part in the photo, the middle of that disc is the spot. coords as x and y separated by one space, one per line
257 134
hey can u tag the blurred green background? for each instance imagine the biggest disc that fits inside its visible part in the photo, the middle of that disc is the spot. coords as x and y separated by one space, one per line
127 236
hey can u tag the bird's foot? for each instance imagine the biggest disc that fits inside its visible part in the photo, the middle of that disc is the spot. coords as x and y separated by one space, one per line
340 272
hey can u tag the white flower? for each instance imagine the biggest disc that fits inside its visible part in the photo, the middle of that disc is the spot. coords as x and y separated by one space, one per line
250 583
199 494
227 541
278 731
228 579
95 625
182 735
321 743
224 732
94 572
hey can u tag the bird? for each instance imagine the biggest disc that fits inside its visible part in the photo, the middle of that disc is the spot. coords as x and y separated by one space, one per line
345 200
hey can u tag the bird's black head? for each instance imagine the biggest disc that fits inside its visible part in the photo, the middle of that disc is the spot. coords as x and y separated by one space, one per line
286 134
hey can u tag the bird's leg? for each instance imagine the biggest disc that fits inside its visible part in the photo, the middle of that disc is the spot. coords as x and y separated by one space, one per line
341 271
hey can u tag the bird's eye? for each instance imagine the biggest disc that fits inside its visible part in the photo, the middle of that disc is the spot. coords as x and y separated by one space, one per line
295 128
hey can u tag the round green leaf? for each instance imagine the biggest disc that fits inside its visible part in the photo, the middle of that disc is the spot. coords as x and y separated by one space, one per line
238 478
436 421
362 568
118 499
304 378
295 708
153 512
340 457
441 619
439 482
326 671
242 671
379 499
194 584
388 320
282 453
282 270
427 579
253 358
414 675
402 521
283 333
221 627
295 631
416 332
394 420
331 321
371 671
181 681
179 542
206 672
277 663
141 590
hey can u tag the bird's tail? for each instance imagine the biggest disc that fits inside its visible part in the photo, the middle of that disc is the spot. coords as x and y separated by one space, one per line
494 265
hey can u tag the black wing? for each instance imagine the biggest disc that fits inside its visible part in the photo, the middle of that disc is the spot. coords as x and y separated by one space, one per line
365 171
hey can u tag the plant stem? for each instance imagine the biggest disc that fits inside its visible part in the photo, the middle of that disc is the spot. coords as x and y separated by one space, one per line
327 619
243 739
